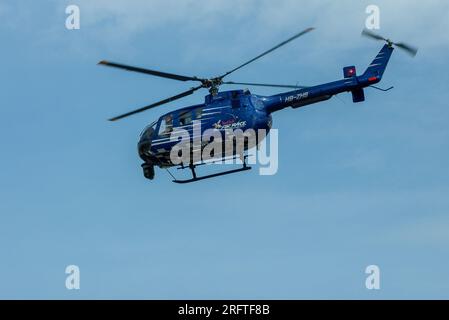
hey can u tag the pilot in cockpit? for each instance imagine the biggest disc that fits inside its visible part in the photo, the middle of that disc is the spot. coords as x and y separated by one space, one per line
168 124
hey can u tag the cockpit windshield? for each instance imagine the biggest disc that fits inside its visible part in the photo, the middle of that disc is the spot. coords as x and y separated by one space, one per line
149 129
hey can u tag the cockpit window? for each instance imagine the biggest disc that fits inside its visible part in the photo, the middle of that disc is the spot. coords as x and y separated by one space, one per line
149 129
198 113
185 118
166 126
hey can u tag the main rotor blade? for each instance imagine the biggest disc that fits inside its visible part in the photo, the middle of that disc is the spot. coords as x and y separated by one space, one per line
408 48
178 96
269 51
264 85
370 34
149 71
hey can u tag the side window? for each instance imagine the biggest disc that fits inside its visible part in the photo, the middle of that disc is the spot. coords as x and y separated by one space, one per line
185 118
166 125
198 113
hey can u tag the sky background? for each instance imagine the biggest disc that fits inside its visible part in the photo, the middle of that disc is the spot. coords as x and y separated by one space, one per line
358 184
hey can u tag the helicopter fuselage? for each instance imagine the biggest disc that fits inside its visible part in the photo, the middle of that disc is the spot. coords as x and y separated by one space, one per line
240 109
236 112
224 111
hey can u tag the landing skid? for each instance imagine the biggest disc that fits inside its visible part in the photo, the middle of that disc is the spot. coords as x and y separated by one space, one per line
195 178
212 175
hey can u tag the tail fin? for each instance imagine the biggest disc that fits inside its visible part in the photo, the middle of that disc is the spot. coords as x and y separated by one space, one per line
357 94
377 67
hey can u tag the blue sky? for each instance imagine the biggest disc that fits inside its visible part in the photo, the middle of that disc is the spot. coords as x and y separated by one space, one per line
358 184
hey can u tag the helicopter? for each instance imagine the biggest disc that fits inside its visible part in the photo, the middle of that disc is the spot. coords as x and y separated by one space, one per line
240 108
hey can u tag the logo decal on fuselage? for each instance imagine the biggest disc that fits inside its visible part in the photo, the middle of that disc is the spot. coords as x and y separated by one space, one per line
229 124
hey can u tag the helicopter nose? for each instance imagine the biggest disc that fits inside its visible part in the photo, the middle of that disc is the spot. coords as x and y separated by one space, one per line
144 148
144 145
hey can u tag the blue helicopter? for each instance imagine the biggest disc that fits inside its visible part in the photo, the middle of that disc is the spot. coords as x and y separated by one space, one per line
240 109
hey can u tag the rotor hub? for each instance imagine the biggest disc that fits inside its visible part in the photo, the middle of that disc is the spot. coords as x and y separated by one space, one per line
213 85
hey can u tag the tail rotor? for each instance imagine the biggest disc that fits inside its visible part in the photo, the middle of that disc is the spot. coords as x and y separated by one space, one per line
411 50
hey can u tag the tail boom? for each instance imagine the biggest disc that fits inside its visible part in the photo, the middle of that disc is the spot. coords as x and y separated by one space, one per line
351 83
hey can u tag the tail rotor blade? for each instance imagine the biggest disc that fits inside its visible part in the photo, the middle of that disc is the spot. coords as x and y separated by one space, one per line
372 35
411 50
